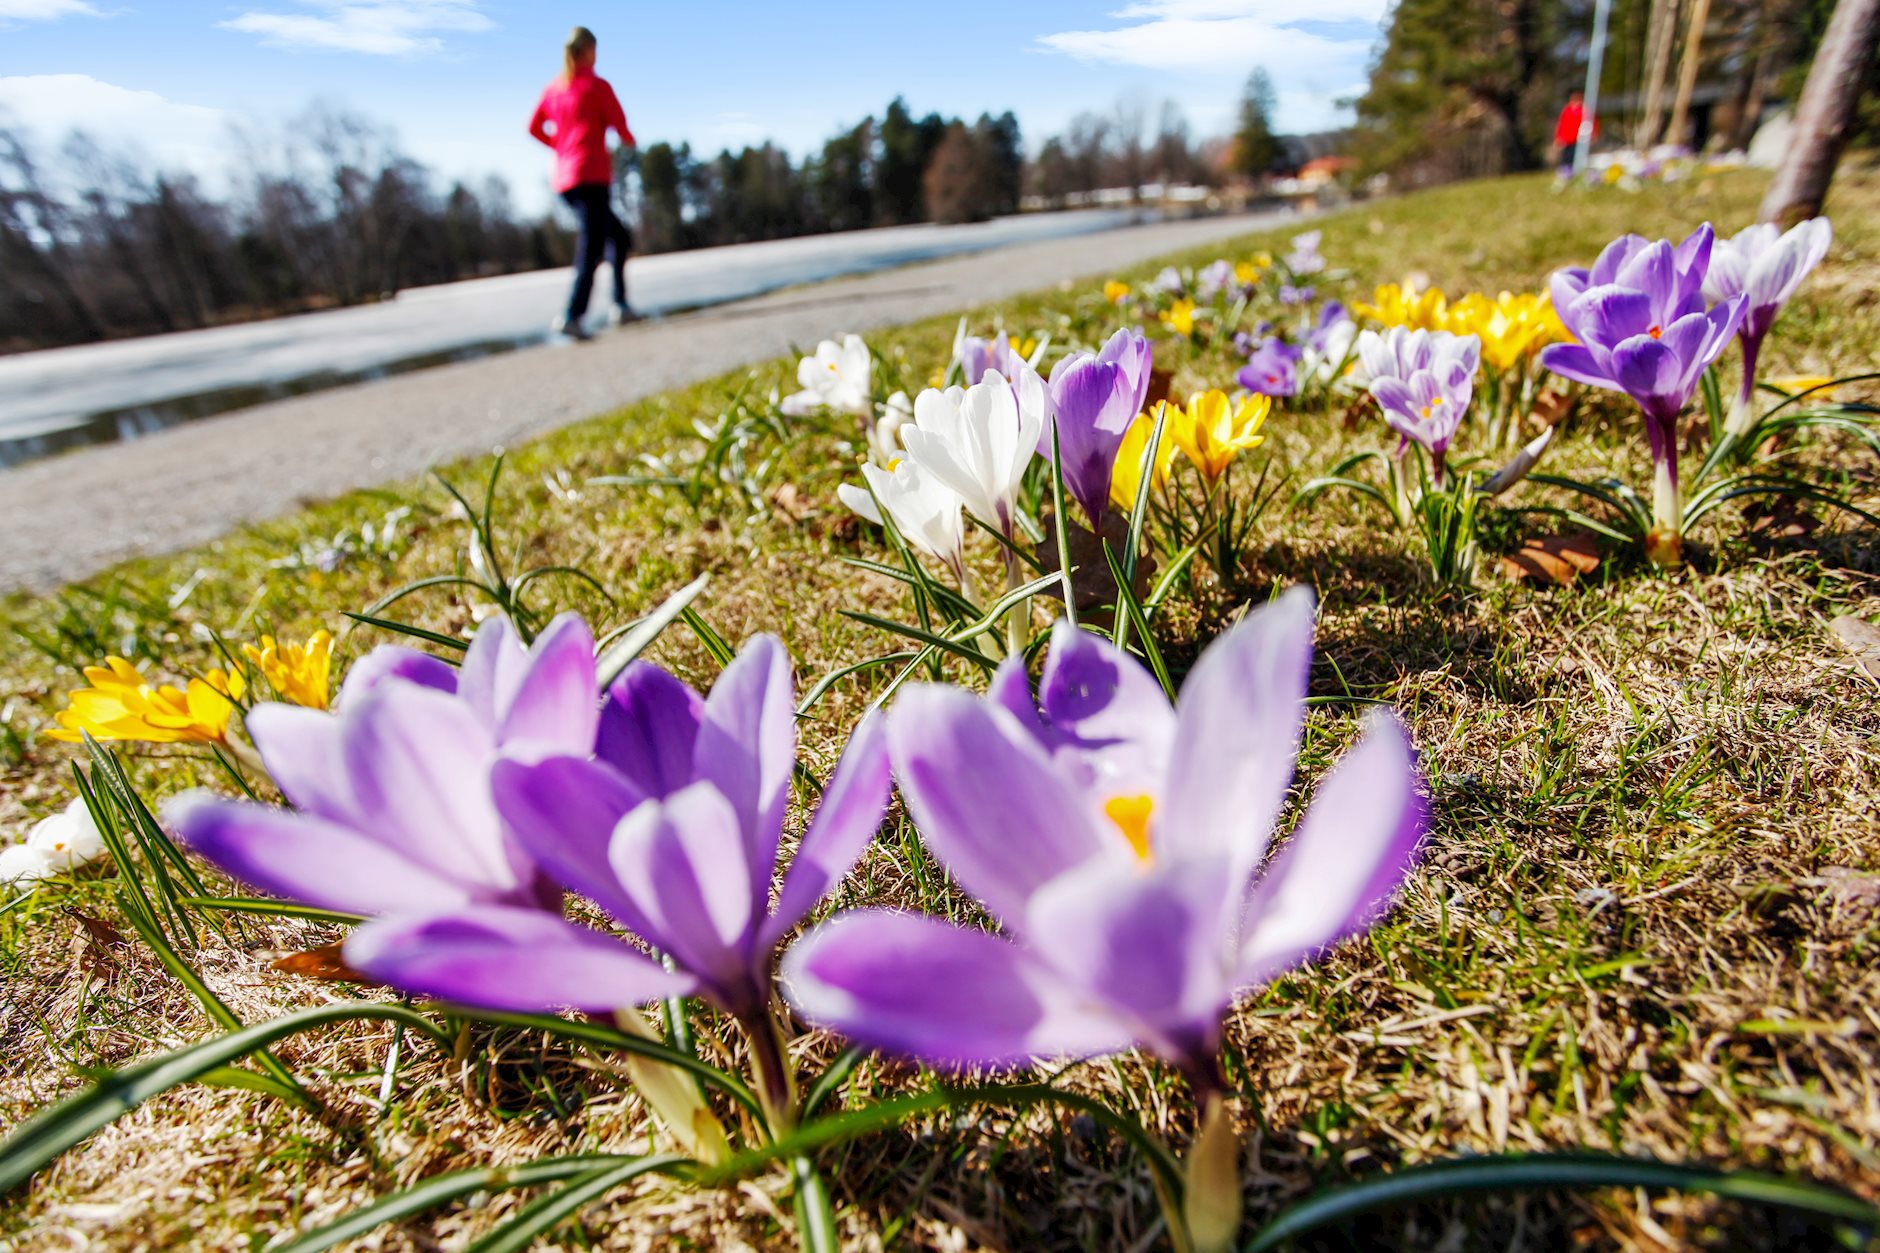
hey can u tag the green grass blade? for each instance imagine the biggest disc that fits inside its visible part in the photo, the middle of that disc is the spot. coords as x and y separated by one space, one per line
405 628
1554 1171
272 909
831 1080
440 1189
59 1127
545 1213
823 685
815 1215
211 1003
925 637
714 643
1127 602
1062 527
640 635
599 1035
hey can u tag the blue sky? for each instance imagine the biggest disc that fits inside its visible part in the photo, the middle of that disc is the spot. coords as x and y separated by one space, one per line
458 78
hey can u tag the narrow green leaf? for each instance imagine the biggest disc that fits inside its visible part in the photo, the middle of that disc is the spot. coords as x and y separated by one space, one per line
273 909
59 1127
815 1215
1062 526
640 635
439 1189
545 1213
211 1003
1554 1171
405 628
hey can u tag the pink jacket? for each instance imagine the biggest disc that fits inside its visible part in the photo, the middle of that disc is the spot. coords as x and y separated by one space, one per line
573 119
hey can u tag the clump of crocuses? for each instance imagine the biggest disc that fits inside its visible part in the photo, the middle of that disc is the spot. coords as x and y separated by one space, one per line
455 808
1644 329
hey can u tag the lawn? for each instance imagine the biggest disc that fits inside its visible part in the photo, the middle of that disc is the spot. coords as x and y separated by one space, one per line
1644 920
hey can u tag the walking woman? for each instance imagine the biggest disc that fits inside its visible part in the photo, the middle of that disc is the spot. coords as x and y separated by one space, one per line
574 117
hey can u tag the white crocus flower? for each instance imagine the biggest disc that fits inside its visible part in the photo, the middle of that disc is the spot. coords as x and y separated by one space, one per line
978 442
61 841
839 377
884 437
925 511
69 838
1766 263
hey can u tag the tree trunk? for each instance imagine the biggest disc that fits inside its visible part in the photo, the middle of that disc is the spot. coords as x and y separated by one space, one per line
1826 113
1679 132
1664 28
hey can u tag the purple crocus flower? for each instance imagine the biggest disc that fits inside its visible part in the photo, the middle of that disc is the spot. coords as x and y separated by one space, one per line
1096 397
1290 295
1118 841
392 809
1423 381
1214 280
1643 329
978 357
672 827
1765 266
1272 369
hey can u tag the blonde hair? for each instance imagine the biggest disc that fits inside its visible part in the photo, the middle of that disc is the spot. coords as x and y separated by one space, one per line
580 40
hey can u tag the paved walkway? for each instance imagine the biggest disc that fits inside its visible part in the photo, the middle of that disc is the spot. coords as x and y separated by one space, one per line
67 517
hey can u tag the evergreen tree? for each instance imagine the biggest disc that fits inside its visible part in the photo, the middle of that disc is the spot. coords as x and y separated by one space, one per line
1256 147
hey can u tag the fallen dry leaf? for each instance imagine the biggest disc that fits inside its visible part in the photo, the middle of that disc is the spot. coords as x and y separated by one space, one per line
791 503
1781 518
1862 638
1550 407
1160 381
324 963
1556 559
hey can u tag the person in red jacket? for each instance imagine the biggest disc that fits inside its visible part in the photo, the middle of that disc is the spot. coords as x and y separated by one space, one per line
1567 131
576 112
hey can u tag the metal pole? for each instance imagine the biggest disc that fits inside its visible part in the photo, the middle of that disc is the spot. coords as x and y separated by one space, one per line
1595 61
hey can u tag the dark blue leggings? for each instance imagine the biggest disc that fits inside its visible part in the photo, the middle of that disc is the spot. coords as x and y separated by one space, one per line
601 232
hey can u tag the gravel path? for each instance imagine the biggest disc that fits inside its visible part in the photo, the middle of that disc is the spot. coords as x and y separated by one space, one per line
68 517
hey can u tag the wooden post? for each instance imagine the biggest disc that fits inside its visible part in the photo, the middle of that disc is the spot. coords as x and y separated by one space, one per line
1825 114
1679 132
1664 28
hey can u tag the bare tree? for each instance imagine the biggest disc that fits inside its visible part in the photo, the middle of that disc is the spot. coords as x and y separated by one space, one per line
1129 121
1825 115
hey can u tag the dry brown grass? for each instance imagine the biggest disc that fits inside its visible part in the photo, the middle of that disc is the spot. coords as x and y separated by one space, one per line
1646 921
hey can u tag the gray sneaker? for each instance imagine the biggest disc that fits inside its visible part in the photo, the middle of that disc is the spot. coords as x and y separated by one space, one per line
571 327
620 315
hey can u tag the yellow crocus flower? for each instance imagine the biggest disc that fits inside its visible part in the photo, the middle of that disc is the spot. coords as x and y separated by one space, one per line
1510 327
1126 472
1180 318
296 672
120 705
1247 273
1115 292
1214 429
1796 384
1404 305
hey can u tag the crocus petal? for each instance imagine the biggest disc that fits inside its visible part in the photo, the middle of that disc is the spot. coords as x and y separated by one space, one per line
1153 947
1239 719
1646 367
301 858
302 751
861 501
1576 362
846 821
419 763
988 801
519 960
491 668
1105 705
649 728
1353 848
747 748
1779 271
1606 315
553 703
563 811
681 860
395 662
916 986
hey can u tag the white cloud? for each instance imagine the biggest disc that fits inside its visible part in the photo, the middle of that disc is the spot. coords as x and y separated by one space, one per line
385 28
1203 36
45 10
168 134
